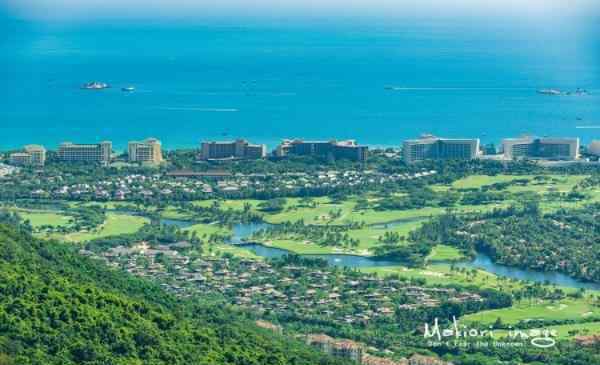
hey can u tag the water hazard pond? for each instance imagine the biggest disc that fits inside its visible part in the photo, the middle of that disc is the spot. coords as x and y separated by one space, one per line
242 231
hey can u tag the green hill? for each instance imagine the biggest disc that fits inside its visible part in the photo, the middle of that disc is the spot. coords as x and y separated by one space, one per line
59 308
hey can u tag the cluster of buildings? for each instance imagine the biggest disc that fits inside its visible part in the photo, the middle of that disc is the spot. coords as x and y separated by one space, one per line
427 147
6 170
147 151
264 288
238 149
430 147
341 297
150 151
32 155
333 149
328 294
74 152
358 353
192 186
542 148
242 149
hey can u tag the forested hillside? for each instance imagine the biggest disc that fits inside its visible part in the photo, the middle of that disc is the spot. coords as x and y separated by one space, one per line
59 308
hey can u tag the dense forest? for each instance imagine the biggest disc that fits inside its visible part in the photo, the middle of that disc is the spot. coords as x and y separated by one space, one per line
59 308
566 241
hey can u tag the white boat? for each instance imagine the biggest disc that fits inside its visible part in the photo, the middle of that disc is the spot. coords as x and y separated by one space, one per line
549 92
95 85
128 89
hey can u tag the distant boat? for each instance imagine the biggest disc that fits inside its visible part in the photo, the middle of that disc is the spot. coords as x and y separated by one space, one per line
128 89
549 92
95 85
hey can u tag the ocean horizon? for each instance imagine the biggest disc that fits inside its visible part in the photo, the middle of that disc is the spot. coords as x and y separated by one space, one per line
377 83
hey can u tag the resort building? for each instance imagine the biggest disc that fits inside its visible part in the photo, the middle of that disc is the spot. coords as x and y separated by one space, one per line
430 147
333 149
238 149
32 155
594 148
541 148
340 348
147 151
99 152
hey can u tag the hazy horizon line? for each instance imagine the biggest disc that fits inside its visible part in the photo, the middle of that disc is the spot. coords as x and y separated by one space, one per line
530 10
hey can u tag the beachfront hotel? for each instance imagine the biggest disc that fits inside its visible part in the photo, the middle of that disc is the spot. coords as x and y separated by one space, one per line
147 151
98 152
335 149
541 148
32 155
594 148
238 149
430 147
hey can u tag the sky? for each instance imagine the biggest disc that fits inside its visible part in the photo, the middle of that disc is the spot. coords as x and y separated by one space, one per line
548 10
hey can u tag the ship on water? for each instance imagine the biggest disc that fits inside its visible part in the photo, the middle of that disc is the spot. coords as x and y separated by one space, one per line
549 92
578 92
95 85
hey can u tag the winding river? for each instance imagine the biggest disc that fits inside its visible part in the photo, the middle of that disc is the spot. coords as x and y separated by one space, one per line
484 262
242 231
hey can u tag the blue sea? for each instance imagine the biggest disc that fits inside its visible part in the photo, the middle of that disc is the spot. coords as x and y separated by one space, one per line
271 80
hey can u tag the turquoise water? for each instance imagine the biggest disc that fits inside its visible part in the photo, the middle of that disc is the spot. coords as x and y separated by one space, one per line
267 81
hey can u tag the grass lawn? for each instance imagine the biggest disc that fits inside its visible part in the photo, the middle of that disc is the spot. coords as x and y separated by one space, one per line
42 218
302 248
368 236
574 309
317 215
171 212
226 204
441 274
106 205
581 329
562 183
115 224
565 331
320 214
445 253
368 239
220 250
550 206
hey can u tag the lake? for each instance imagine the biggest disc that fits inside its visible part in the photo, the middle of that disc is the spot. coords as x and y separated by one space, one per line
481 261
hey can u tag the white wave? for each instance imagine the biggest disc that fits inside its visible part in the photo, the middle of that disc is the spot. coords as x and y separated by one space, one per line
398 88
588 127
207 110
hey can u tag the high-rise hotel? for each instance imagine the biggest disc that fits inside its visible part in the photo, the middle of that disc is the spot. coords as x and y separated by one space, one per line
594 148
348 149
72 152
147 151
238 149
430 147
541 148
32 155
